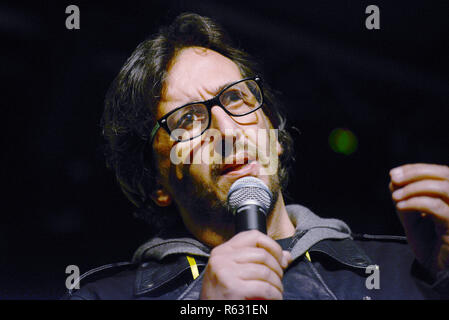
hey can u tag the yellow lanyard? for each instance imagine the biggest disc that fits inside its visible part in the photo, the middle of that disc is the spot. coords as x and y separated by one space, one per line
308 256
193 267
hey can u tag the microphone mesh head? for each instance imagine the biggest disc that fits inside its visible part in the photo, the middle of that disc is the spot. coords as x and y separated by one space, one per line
249 189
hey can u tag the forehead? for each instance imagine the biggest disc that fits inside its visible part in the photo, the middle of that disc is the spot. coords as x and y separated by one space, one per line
196 74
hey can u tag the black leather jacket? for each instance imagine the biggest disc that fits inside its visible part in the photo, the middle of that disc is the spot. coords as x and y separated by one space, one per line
337 270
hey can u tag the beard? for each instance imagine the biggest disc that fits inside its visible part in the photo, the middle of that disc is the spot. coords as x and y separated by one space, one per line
206 203
201 192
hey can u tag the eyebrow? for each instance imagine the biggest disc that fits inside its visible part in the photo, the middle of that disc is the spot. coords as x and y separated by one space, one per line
218 89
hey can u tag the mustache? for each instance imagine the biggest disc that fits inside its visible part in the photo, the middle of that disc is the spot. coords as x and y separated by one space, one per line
220 152
231 154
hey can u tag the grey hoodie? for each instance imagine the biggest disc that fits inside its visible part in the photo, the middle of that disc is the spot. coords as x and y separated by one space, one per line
311 227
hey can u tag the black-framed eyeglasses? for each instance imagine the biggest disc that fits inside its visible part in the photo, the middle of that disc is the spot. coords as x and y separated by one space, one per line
191 120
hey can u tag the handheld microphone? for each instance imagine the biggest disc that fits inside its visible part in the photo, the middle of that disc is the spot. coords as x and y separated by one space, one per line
249 200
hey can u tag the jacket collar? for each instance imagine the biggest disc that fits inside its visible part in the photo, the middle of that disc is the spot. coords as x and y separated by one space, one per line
311 229
152 275
164 259
345 251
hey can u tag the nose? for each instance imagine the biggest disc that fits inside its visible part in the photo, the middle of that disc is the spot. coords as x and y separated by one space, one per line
221 121
229 131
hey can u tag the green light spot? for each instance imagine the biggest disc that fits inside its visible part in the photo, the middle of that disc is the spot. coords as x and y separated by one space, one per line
343 141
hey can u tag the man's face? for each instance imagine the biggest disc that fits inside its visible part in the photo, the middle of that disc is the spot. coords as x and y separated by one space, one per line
200 174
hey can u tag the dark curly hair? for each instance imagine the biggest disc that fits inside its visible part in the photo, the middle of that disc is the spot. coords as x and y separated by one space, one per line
133 97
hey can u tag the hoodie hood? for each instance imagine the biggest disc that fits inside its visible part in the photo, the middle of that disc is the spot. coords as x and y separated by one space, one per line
310 229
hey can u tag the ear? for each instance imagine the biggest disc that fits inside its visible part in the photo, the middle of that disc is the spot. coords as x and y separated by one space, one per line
161 197
279 148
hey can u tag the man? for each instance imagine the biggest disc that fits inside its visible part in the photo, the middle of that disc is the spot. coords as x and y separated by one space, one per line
175 119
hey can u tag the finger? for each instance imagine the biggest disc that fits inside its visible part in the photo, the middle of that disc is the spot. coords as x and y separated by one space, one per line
287 257
260 272
430 205
254 238
257 290
433 188
391 187
419 171
259 256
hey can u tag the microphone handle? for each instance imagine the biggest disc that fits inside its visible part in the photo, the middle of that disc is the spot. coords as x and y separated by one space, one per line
249 217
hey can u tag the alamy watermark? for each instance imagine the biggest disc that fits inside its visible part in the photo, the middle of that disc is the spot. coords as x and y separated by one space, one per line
372 22
373 280
234 147
72 22
73 19
73 280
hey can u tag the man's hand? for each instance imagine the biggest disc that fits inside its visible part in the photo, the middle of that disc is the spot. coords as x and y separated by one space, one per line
248 266
421 193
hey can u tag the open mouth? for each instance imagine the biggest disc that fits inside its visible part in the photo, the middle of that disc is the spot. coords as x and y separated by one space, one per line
236 165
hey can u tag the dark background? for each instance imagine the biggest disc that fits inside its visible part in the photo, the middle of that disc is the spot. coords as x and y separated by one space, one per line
61 206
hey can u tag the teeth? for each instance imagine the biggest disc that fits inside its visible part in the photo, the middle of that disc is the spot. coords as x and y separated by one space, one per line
239 161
